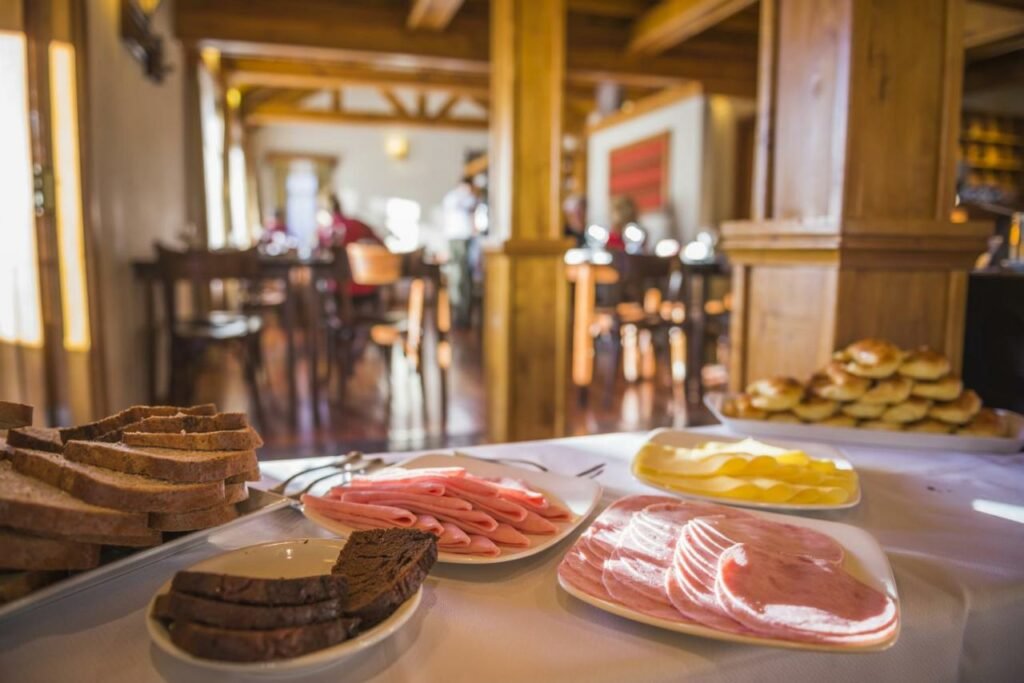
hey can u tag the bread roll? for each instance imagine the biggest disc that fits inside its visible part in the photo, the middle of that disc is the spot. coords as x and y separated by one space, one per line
893 390
836 384
959 411
925 364
945 389
775 394
863 410
740 407
986 423
911 410
815 409
928 426
873 358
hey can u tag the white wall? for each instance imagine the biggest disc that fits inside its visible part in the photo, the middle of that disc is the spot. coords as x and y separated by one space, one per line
366 176
135 180
701 169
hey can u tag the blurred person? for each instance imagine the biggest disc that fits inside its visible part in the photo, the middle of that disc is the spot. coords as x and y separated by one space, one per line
344 230
623 213
459 206
574 211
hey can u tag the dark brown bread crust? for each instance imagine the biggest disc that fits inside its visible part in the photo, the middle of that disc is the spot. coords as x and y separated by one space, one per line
14 415
92 431
192 423
197 519
250 591
383 568
36 438
251 475
185 607
233 645
224 440
25 551
162 463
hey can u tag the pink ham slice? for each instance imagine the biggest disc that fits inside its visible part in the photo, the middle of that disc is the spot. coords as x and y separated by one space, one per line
577 570
445 509
429 524
518 491
397 474
478 545
765 534
402 498
429 487
497 507
452 536
796 597
375 516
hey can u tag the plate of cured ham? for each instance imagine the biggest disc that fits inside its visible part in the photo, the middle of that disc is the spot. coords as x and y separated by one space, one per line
736 575
482 512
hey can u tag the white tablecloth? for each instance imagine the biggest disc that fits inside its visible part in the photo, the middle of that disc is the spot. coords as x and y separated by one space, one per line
952 525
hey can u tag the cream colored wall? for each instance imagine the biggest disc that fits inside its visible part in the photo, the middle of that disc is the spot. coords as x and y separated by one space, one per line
135 180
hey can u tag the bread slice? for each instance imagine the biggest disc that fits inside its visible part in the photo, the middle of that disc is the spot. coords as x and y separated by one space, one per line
33 505
244 645
36 438
197 519
118 490
24 551
184 607
162 463
14 415
225 440
94 430
144 539
192 423
253 591
14 585
249 475
383 568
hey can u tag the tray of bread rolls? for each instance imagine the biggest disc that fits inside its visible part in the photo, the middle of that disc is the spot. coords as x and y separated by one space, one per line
83 505
874 393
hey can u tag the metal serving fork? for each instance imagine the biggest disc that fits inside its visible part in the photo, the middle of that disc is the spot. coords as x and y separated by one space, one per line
349 459
360 467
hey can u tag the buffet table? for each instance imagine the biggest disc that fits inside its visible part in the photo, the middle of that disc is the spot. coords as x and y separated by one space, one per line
952 525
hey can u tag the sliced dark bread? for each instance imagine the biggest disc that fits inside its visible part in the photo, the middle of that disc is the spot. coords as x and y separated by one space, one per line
32 505
145 539
162 463
185 607
19 550
196 519
94 430
14 415
251 475
118 490
383 568
251 591
36 438
14 585
192 423
237 645
225 440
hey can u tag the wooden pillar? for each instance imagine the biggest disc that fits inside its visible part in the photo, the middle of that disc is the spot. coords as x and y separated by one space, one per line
854 183
526 298
195 175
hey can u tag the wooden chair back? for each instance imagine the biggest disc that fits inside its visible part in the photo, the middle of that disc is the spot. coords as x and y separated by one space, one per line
373 264
640 273
202 268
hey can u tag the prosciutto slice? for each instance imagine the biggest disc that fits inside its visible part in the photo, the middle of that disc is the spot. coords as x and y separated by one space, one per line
799 598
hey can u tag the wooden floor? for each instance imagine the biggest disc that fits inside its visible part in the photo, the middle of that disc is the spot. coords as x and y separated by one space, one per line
372 419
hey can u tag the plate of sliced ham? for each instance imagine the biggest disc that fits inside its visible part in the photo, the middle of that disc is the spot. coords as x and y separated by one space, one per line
736 575
482 512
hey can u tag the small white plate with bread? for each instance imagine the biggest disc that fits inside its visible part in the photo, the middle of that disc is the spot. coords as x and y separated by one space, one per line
273 563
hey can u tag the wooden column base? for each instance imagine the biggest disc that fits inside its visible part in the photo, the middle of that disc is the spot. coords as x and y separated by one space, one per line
525 340
802 291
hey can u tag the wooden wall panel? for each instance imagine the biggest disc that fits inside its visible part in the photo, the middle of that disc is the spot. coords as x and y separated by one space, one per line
810 109
908 307
789 309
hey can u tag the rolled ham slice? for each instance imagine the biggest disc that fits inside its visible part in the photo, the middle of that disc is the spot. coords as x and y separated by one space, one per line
518 491
799 598
501 509
428 487
478 545
555 511
452 536
398 474
374 516
430 525
405 500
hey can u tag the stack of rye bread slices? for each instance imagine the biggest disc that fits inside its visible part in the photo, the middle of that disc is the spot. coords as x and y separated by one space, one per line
248 619
124 481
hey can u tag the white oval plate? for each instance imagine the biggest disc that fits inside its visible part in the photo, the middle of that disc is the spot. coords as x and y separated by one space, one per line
864 559
281 559
875 437
579 494
681 438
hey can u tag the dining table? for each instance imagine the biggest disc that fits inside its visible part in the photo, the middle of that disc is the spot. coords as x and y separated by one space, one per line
950 523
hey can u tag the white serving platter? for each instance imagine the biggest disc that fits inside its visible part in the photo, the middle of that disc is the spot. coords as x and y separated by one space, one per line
258 503
864 559
281 559
579 495
681 438
874 437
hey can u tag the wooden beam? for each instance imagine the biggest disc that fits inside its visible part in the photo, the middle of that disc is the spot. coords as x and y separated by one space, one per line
673 21
397 106
421 104
432 15
619 9
446 106
278 114
985 24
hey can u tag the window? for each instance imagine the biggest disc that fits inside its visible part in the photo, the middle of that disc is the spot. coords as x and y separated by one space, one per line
19 277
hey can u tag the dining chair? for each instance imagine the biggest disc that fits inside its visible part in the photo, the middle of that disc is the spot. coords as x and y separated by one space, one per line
218 282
